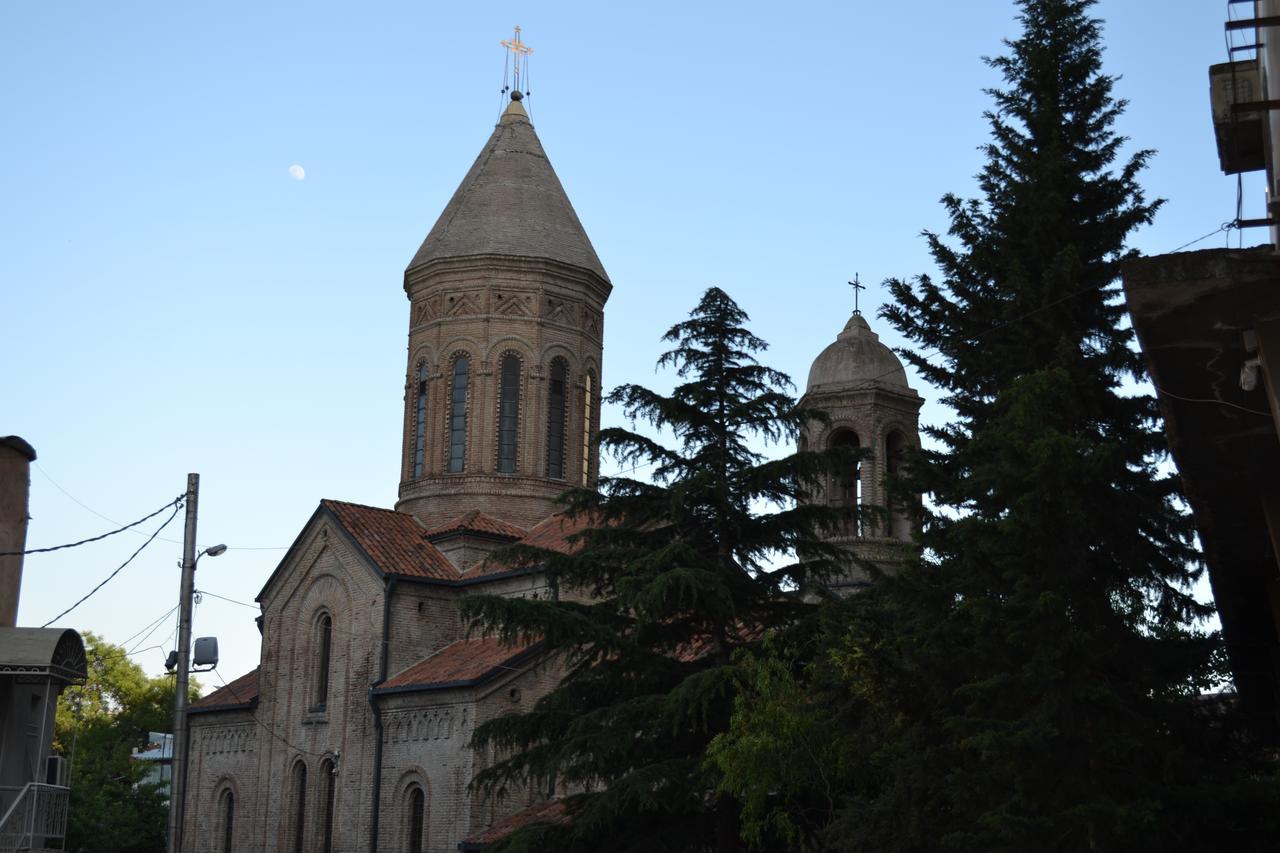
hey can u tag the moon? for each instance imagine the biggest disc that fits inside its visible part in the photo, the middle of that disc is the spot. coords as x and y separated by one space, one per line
297 172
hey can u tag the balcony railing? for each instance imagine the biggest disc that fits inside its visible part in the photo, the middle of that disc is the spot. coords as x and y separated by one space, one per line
35 817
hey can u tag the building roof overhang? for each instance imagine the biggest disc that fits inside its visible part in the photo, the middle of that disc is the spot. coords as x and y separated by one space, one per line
1196 315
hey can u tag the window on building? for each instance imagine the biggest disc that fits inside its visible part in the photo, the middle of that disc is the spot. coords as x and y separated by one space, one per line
588 391
508 413
895 448
299 808
846 486
329 771
417 802
458 414
559 378
420 421
227 814
324 642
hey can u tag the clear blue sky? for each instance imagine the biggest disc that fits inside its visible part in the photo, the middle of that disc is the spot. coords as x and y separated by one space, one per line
175 301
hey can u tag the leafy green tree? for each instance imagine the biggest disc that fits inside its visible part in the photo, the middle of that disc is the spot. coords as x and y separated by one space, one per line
671 579
1034 682
98 725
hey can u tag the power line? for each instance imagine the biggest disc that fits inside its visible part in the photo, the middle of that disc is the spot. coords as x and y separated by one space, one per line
230 600
177 507
176 502
253 716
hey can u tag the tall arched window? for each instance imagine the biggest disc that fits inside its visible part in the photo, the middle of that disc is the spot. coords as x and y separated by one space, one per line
416 819
846 486
329 773
508 413
227 816
895 448
588 403
299 828
420 424
556 408
458 414
324 642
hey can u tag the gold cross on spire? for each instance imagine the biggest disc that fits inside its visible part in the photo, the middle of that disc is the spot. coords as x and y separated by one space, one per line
520 53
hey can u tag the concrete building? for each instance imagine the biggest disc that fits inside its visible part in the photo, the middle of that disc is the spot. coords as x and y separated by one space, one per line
1209 326
353 732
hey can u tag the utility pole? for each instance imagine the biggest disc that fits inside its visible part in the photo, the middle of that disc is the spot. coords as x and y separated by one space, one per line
178 768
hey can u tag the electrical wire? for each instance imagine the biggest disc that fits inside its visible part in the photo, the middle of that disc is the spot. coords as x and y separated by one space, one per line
230 600
253 716
1213 401
176 502
176 509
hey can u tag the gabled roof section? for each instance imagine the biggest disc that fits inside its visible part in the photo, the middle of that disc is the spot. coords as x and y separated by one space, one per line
511 203
551 811
552 533
394 541
476 521
238 695
460 664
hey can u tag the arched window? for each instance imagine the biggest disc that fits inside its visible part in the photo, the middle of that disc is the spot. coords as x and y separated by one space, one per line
458 414
299 827
895 448
588 402
416 819
227 816
846 486
420 423
329 772
556 409
508 413
324 641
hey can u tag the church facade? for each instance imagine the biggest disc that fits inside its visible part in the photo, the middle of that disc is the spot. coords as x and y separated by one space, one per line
353 732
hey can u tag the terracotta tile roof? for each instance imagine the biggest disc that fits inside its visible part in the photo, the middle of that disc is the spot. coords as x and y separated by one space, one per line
394 541
241 693
476 521
458 664
553 533
552 811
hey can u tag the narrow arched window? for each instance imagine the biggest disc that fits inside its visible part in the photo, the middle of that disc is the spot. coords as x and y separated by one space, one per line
227 808
324 641
895 448
588 407
508 413
556 409
329 772
458 413
420 422
416 819
299 828
846 487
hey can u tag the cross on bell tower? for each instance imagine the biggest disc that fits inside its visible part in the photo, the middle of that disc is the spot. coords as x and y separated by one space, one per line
857 286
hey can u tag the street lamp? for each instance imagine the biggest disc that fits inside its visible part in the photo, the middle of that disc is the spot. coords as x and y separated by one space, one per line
177 786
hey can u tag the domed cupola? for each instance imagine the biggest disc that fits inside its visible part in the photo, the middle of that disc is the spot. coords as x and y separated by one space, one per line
862 387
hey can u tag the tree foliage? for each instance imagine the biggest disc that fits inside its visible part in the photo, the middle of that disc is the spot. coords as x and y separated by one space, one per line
98 725
1033 682
672 577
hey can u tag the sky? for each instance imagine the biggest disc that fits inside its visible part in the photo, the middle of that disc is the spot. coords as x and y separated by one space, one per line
206 211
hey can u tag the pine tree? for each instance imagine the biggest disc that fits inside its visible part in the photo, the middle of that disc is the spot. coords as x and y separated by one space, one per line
672 579
1033 683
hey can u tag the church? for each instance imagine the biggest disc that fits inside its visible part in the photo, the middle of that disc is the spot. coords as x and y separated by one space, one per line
353 732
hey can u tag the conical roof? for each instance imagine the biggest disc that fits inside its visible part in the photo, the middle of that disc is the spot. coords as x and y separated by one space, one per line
511 203
856 360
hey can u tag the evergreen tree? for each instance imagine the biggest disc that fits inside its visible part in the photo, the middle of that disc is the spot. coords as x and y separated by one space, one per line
1033 683
671 579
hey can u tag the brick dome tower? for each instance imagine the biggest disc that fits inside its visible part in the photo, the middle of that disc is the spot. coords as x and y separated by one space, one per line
506 323
861 385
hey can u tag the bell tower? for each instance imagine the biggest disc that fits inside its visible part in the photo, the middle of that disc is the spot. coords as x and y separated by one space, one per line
861 385
506 324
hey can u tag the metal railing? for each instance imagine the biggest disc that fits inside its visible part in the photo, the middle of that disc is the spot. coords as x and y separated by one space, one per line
36 818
